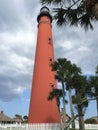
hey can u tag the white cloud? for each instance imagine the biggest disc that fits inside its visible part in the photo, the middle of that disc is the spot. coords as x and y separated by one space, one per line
20 62
67 44
18 34
17 47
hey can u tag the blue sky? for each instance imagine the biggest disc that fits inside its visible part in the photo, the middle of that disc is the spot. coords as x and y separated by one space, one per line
18 32
17 106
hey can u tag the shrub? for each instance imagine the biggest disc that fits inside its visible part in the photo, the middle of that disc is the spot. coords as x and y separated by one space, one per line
90 121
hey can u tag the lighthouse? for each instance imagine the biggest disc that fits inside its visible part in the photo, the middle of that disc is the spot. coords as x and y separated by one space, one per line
41 110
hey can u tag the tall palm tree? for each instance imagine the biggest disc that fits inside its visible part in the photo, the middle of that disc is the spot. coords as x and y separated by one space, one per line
94 87
72 71
57 93
59 67
65 71
74 12
80 84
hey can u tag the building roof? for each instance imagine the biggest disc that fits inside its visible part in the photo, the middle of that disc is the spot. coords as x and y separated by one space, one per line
17 120
3 117
95 117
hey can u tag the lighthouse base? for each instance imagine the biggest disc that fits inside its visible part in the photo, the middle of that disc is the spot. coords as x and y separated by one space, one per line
44 126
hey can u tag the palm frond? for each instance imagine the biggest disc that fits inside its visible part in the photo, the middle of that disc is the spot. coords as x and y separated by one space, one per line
55 93
85 21
72 17
55 2
73 12
59 16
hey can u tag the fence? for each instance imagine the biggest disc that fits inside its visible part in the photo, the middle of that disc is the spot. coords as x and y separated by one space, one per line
50 126
47 126
91 126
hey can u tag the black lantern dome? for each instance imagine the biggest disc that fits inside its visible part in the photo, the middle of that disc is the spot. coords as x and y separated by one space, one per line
44 11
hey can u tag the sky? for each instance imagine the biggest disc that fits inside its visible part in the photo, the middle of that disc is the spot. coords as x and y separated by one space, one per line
18 33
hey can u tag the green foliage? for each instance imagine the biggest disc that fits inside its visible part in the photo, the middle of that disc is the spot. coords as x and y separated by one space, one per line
18 116
60 66
73 12
94 85
50 1
70 76
80 83
97 70
25 119
89 121
65 70
55 93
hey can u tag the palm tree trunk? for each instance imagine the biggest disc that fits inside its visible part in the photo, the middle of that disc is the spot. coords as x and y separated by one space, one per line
97 106
71 108
81 119
64 105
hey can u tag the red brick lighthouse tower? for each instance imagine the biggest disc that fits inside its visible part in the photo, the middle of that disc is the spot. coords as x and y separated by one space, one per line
41 110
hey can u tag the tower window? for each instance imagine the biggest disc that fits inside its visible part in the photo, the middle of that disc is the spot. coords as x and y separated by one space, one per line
52 85
50 60
49 40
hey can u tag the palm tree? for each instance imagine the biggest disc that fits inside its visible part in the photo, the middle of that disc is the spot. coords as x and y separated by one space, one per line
80 84
65 71
59 67
73 70
94 87
56 93
74 12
